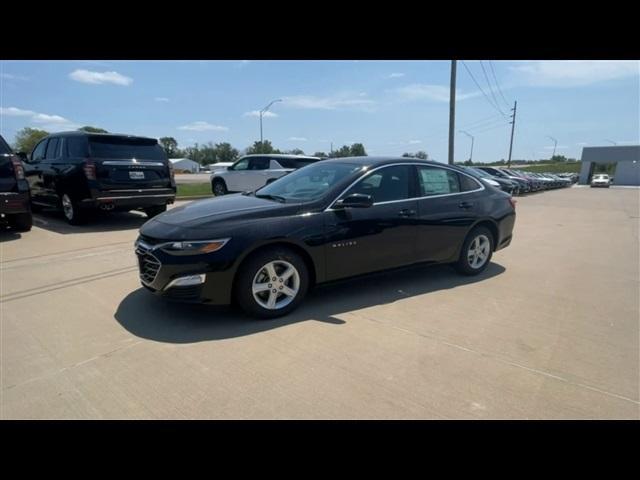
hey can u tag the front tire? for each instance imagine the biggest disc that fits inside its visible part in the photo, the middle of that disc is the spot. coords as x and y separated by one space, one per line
219 188
155 210
271 283
476 252
21 222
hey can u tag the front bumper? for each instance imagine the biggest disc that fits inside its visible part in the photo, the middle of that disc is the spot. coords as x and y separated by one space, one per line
157 270
11 203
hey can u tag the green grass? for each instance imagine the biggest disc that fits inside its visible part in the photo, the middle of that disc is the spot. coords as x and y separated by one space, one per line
569 167
193 189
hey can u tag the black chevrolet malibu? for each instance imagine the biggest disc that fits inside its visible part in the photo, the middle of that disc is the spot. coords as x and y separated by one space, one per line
330 220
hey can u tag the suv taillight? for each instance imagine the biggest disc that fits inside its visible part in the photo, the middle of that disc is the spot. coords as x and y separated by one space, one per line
171 172
18 170
89 169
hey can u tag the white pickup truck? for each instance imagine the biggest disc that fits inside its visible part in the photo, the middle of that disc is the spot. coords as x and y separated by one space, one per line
254 171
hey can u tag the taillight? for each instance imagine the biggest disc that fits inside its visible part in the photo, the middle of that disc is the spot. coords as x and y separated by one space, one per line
17 169
513 202
89 170
171 172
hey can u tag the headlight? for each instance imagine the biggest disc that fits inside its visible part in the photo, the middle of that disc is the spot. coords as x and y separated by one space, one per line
194 247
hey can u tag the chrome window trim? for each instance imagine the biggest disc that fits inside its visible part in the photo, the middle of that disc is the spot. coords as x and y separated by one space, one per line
482 187
133 162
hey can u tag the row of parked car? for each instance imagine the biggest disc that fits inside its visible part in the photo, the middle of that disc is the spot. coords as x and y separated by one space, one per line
517 182
80 173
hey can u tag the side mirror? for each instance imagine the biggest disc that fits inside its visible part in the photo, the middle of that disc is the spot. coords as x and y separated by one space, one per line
355 200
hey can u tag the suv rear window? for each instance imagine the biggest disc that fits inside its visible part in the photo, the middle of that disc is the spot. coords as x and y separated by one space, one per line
122 147
294 162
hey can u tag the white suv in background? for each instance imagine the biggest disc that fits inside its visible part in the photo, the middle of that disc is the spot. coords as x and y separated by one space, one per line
600 180
254 171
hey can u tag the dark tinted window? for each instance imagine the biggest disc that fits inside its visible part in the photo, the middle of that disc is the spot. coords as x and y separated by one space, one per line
122 147
76 147
260 163
52 148
286 162
384 185
467 183
38 152
437 181
4 148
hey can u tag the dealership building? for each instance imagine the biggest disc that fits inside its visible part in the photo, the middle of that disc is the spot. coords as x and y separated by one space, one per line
624 162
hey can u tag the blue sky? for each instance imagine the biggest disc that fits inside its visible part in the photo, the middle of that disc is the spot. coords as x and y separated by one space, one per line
391 106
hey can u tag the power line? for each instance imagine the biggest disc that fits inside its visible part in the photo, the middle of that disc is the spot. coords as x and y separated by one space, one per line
493 72
483 120
498 121
486 77
480 88
504 124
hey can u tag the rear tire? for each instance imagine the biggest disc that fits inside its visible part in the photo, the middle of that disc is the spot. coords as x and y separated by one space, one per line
263 297
219 188
155 210
72 211
476 252
21 222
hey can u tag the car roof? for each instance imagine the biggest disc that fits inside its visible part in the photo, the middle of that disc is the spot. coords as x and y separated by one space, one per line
76 133
281 155
379 161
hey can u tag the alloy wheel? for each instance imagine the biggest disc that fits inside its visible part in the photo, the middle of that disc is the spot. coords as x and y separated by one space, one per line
276 285
478 252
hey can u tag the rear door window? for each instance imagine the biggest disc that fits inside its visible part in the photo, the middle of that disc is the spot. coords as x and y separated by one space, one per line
52 149
76 147
260 163
38 152
468 184
125 148
437 181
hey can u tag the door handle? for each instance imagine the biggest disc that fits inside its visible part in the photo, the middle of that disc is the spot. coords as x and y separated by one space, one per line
406 212
465 205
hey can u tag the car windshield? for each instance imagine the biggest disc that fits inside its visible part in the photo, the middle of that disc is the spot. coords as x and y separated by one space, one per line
478 172
308 183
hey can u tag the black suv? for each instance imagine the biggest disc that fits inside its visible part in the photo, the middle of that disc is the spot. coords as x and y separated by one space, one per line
80 172
14 191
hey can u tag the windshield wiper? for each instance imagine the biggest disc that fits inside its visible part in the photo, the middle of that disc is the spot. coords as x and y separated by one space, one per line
277 198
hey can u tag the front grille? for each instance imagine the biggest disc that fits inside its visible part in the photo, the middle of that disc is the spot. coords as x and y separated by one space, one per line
148 264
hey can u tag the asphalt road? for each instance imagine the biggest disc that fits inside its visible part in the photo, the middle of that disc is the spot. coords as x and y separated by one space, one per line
549 331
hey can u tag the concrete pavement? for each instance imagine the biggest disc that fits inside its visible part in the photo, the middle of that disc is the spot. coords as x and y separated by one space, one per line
550 330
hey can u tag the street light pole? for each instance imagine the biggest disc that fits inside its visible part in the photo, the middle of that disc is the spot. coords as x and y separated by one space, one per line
262 112
555 144
471 137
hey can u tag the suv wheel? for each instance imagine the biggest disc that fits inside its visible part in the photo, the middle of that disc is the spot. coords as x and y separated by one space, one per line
21 222
476 252
155 210
219 187
72 211
271 283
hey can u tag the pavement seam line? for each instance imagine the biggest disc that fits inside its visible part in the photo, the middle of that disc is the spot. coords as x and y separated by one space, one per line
506 362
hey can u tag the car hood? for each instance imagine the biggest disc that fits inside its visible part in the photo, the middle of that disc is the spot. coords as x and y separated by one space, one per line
194 218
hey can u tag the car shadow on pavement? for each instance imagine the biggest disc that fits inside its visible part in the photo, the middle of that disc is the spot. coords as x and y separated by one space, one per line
6 235
147 316
54 221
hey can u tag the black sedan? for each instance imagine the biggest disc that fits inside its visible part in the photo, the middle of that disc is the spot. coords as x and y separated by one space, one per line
330 220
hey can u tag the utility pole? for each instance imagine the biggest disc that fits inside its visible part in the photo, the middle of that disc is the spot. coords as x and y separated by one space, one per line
262 112
471 137
555 144
513 124
452 110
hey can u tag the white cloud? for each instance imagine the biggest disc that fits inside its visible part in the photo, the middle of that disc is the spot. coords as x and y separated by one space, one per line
396 75
414 142
297 139
16 112
333 102
256 113
98 78
425 91
54 123
573 73
161 99
201 126
9 76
